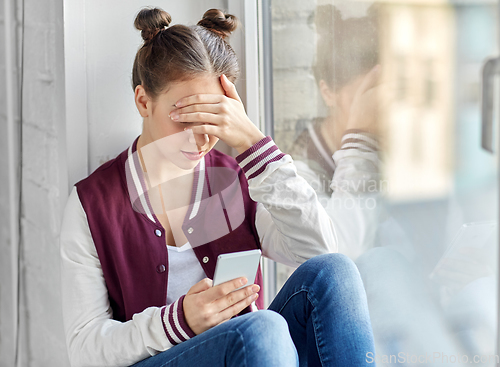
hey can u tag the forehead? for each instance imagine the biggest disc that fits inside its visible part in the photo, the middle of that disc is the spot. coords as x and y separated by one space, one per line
207 84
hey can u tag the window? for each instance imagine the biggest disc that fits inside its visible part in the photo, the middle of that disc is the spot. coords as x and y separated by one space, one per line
425 237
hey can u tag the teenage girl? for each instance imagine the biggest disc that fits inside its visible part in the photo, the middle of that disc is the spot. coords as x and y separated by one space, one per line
141 234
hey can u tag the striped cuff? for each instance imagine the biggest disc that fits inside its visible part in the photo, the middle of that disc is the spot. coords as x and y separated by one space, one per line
255 159
174 323
359 139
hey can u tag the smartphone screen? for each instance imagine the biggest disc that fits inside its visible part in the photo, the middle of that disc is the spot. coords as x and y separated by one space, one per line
237 264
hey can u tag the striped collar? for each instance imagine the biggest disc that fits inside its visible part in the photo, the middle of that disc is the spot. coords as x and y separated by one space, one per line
138 183
321 146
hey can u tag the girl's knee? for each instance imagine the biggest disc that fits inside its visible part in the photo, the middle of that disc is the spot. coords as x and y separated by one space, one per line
332 262
266 335
330 272
271 323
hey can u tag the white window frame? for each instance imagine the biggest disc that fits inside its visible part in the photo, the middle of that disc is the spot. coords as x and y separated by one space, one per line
250 46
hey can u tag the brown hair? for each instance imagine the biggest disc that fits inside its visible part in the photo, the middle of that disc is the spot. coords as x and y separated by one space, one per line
345 48
179 52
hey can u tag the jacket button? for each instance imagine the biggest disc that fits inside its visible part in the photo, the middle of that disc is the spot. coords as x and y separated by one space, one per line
158 233
160 268
190 230
205 259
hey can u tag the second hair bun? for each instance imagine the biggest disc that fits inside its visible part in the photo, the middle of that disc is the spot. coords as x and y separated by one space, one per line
217 21
150 21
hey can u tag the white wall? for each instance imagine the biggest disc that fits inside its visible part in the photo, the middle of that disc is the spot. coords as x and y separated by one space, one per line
44 173
111 42
6 305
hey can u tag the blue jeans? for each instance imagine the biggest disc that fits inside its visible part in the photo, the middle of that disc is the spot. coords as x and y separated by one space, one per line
319 318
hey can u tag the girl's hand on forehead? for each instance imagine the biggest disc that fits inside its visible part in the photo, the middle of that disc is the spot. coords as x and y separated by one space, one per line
223 116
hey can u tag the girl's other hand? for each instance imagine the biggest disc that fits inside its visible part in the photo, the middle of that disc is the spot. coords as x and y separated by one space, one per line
365 108
223 116
206 306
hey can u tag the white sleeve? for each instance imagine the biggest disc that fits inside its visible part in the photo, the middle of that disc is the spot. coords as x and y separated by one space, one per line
93 338
355 215
291 223
354 204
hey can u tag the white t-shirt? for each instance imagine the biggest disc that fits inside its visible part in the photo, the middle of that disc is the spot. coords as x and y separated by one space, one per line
184 270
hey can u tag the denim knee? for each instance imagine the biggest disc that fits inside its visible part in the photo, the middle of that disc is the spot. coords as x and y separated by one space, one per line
336 259
331 263
266 338
270 325
333 272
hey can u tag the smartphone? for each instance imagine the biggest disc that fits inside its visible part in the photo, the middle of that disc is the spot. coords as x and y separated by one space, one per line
237 264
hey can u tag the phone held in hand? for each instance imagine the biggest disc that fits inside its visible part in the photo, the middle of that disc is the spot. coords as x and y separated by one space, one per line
237 264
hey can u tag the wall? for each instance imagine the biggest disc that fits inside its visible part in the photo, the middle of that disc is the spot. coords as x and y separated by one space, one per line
41 331
6 325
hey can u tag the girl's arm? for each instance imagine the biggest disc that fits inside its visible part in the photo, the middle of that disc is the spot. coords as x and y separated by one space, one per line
93 338
354 204
292 224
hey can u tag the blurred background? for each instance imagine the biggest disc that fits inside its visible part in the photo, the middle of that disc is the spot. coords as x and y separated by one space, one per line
428 257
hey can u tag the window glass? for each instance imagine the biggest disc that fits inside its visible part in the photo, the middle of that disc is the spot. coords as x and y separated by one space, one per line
394 154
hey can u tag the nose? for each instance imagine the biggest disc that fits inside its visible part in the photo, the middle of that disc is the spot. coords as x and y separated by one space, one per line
199 139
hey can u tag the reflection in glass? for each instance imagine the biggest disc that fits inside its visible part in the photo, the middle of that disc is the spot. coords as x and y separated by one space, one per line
394 156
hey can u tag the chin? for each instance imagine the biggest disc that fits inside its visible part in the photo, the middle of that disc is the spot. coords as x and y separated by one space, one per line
184 163
188 166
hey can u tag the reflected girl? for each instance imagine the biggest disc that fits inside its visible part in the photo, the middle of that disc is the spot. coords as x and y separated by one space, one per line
338 154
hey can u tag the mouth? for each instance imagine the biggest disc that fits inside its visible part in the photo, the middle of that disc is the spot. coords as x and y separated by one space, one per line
194 156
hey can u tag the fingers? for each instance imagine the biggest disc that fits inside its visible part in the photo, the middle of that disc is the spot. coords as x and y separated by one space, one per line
237 307
199 98
235 297
229 303
370 80
229 88
197 117
201 286
229 286
205 308
205 129
218 291
200 107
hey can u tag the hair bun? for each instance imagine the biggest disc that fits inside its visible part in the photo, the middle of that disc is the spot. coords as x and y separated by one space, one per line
150 21
326 18
217 21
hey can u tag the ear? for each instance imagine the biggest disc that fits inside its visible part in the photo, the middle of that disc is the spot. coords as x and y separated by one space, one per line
142 100
328 95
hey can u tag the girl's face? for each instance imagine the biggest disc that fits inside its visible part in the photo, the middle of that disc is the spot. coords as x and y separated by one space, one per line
167 137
